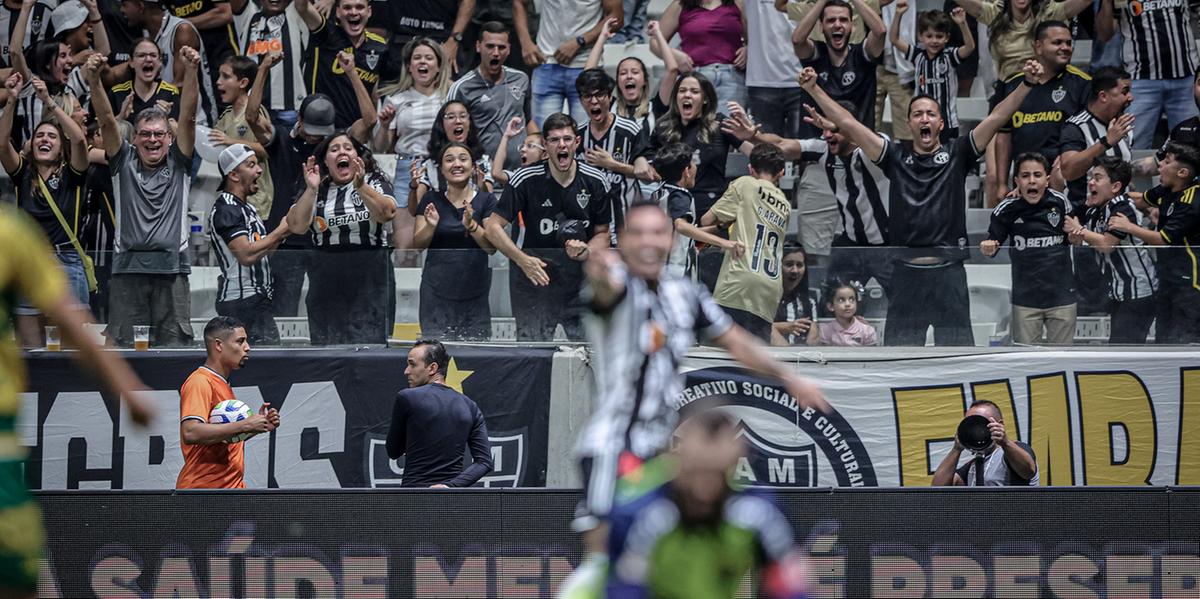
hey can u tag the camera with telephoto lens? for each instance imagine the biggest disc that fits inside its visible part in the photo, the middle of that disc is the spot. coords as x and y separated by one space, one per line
974 435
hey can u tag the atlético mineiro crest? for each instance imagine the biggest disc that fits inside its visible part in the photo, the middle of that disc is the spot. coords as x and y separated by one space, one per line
372 59
583 198
516 90
1058 95
1054 217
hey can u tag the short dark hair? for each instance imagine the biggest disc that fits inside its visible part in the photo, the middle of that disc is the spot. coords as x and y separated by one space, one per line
767 158
243 68
1024 157
593 81
1118 170
493 27
836 4
558 120
1040 31
1106 78
1189 156
933 20
220 327
671 160
435 353
991 404
919 97
150 114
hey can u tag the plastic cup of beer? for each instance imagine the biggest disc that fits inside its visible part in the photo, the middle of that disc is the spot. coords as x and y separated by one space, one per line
53 342
141 337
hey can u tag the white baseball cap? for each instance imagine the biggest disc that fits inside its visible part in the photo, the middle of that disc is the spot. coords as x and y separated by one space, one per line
67 16
232 156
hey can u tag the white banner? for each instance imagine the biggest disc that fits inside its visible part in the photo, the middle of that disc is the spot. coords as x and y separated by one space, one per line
1091 417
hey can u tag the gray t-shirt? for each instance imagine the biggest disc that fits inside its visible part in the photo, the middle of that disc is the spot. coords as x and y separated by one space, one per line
492 105
151 234
564 20
996 471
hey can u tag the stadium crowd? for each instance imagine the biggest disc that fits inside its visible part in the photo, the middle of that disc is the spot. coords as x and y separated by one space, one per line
511 135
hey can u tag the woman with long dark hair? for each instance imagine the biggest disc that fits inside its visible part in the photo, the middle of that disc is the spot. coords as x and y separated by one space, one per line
51 181
347 207
453 123
456 279
797 307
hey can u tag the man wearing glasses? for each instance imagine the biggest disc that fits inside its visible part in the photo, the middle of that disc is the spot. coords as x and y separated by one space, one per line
151 181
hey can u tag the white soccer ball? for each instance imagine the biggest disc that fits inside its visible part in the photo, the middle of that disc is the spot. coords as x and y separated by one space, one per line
231 410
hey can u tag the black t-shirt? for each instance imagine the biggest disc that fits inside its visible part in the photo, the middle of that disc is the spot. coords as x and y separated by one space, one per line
411 18
431 425
164 91
218 41
854 80
927 198
1037 123
287 156
533 193
710 172
1187 132
97 235
68 188
121 36
1179 225
1040 252
455 266
321 65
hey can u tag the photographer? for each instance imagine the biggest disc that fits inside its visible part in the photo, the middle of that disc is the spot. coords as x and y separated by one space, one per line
1000 463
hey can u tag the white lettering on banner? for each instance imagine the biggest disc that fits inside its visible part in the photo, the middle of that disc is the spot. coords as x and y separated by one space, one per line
309 406
77 415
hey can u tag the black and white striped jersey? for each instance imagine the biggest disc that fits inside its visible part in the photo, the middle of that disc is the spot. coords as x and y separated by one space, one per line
1159 43
35 29
854 180
626 141
232 217
342 219
638 345
1129 266
260 34
1081 132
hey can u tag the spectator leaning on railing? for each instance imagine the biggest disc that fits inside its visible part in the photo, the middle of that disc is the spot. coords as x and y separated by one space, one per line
149 285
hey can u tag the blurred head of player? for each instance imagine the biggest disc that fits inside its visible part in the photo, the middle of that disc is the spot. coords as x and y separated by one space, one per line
227 344
707 451
646 239
427 363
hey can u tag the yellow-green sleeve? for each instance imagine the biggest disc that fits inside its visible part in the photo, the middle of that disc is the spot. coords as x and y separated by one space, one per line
990 11
27 262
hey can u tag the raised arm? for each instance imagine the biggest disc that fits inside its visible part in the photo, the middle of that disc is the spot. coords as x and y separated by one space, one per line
308 13
99 33
668 26
1106 21
801 43
385 136
102 107
671 70
361 128
16 44
745 348
604 289
260 125
300 215
10 159
185 37
959 16
71 129
973 7
185 135
596 56
870 142
983 133
219 15
876 29
899 42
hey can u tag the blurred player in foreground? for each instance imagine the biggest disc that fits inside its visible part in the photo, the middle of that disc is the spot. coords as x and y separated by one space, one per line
698 537
643 321
28 269
213 454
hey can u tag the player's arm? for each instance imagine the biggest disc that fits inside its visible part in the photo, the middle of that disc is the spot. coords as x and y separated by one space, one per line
361 128
605 282
801 44
481 454
982 134
946 474
749 351
259 123
871 143
876 28
193 431
185 136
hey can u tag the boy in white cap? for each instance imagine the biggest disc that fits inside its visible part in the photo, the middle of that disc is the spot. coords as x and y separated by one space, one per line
242 243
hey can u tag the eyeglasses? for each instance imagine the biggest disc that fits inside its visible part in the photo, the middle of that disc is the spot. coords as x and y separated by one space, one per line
595 96
152 134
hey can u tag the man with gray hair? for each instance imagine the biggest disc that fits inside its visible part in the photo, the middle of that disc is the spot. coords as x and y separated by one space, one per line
151 182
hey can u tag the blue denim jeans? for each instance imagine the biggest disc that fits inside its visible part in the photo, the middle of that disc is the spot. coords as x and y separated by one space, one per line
552 86
401 181
1107 54
77 285
635 23
730 84
1152 98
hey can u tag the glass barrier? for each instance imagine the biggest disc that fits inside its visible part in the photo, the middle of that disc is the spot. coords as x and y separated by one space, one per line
851 295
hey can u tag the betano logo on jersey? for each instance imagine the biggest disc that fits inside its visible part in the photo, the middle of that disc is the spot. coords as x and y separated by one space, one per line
787 446
1137 8
1020 119
1031 243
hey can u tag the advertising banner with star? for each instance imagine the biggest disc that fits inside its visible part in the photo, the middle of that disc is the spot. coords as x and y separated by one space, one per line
335 406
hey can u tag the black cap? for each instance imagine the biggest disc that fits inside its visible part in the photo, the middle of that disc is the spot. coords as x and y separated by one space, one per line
316 115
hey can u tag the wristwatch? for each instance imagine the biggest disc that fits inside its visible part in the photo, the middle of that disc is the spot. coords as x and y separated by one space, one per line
1104 142
582 41
457 36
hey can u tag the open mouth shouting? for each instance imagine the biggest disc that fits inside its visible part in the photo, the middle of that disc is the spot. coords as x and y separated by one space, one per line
837 38
925 132
354 23
458 133
343 167
629 89
687 108
562 158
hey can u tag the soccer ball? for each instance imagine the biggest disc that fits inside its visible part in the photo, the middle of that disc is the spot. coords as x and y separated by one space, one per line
231 410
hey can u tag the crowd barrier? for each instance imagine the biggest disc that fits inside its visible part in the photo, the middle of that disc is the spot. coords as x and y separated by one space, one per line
881 543
1093 417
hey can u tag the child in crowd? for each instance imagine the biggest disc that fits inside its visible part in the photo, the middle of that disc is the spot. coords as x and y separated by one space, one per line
532 150
936 65
846 329
1132 278
676 165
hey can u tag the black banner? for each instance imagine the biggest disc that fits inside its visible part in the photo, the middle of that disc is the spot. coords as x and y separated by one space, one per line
476 543
335 407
